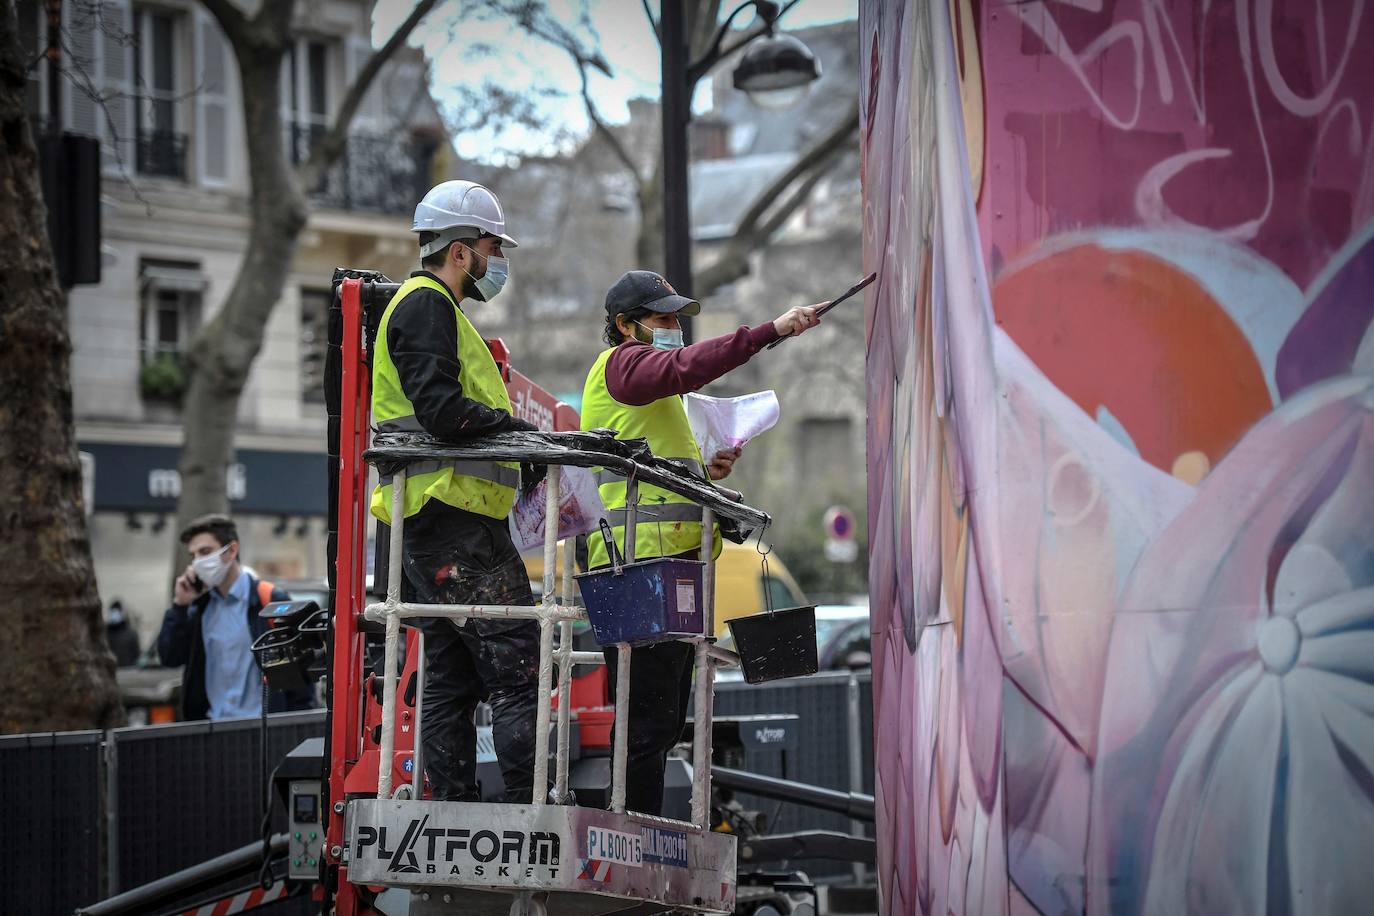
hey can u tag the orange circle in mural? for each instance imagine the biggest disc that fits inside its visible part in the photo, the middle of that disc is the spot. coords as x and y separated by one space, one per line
1128 331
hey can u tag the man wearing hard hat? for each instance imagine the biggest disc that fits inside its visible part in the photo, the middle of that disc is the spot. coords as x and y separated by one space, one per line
432 372
636 388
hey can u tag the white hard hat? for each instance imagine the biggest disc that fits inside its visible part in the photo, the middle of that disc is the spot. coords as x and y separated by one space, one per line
455 208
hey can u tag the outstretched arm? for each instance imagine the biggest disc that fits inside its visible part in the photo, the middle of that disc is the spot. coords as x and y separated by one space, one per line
637 374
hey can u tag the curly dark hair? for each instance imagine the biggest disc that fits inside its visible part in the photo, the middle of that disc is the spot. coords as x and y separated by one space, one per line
612 333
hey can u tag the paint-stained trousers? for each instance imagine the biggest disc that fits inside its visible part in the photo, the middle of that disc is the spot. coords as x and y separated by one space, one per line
456 557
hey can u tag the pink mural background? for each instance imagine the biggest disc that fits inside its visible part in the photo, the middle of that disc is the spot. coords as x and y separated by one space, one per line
1121 453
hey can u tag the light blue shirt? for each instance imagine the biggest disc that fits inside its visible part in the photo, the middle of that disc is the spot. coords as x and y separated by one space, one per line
233 682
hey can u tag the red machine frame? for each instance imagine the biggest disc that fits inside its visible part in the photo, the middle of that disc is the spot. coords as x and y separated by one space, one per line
353 761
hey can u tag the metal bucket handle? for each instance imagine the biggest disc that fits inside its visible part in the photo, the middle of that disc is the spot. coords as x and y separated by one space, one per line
767 588
617 558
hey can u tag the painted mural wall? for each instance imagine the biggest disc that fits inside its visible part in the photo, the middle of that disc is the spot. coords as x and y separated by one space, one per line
1121 453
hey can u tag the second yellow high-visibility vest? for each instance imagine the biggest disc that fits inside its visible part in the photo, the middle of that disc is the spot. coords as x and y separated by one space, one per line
484 487
666 524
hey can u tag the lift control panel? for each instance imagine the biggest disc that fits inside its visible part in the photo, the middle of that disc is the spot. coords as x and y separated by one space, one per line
305 833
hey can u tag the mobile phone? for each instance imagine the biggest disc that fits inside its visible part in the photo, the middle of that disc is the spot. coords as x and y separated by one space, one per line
195 582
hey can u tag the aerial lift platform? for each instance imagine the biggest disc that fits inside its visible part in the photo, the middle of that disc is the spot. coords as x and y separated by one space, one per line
550 855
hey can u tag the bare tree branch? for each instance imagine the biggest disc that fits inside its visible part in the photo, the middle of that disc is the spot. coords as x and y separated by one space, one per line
556 34
327 151
649 14
811 159
799 195
605 132
771 209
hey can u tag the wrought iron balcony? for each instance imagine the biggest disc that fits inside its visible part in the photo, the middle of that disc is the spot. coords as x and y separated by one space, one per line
162 153
376 173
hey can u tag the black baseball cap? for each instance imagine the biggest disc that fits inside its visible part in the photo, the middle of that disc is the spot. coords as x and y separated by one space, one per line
644 289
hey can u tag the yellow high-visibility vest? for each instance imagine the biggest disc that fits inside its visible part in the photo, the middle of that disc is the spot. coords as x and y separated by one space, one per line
485 487
666 523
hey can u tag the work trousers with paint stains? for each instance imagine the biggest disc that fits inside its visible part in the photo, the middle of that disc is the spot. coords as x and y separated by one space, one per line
456 557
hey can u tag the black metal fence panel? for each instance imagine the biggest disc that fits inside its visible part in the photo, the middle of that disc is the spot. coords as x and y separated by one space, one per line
822 758
51 845
177 795
191 791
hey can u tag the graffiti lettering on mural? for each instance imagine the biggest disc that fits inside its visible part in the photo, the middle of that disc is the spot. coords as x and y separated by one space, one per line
1204 100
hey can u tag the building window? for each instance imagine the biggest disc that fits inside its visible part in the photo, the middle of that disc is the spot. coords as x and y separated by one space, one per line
306 89
161 142
314 337
172 295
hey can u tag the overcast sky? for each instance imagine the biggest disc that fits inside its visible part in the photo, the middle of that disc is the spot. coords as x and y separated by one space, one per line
472 54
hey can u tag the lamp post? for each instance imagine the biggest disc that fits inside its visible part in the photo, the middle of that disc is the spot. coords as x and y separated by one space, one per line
772 64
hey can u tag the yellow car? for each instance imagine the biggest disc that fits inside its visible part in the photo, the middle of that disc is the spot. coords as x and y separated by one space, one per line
740 582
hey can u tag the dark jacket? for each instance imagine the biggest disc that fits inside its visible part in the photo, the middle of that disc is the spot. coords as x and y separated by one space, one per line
422 341
180 643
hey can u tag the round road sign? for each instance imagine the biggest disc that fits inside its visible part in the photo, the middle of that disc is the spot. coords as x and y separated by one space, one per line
839 523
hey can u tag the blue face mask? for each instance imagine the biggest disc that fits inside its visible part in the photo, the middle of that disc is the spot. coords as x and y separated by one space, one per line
665 338
490 283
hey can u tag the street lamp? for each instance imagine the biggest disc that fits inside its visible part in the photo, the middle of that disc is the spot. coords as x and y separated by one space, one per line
773 67
776 71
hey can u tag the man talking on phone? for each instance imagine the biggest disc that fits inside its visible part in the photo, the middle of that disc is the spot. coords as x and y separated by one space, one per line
212 623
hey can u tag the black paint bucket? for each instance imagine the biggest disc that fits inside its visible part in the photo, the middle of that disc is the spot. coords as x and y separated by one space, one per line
776 644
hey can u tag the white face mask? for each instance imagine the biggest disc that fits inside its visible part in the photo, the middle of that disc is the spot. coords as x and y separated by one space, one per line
665 338
489 285
213 567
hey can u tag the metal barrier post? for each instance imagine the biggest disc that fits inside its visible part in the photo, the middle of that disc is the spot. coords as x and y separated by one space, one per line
856 778
622 727
111 755
631 519
622 676
565 667
541 727
706 677
393 632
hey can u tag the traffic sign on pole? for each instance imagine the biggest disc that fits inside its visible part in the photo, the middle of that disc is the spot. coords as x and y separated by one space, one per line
840 546
839 523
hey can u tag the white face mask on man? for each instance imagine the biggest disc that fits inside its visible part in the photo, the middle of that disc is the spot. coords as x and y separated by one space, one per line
665 338
490 284
213 567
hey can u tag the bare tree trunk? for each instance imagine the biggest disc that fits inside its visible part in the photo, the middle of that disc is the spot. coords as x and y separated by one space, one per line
222 354
57 672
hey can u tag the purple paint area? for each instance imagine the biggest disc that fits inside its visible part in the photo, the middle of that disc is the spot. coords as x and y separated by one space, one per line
1326 338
